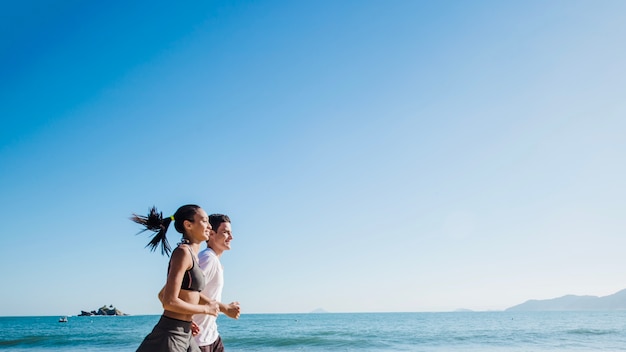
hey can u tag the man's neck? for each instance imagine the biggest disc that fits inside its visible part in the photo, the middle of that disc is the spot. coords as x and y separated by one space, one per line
217 253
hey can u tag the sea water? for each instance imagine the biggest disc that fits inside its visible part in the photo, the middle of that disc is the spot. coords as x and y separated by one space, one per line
439 332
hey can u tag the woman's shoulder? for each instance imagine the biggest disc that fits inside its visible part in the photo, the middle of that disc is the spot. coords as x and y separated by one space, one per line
181 251
183 246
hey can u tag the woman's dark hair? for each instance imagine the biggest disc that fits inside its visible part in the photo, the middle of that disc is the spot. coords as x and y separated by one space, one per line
156 223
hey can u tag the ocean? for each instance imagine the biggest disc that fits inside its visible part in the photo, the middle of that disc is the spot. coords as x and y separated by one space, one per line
437 332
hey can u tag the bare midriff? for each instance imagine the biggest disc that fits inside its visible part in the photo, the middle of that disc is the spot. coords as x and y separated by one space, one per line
192 297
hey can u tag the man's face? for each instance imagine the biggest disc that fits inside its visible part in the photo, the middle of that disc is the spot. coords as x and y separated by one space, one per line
220 238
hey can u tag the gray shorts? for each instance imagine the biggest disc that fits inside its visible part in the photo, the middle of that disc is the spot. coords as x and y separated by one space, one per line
170 335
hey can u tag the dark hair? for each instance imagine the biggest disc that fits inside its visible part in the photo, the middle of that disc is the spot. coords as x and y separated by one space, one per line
156 223
217 219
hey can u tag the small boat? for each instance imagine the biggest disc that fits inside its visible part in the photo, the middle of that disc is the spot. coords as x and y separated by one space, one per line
63 320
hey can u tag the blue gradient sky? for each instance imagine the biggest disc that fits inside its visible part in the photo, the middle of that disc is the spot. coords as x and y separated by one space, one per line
373 155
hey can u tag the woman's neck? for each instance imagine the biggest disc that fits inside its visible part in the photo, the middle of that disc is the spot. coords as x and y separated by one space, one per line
195 246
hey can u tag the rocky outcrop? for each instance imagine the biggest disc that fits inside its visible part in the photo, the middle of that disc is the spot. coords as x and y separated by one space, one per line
104 310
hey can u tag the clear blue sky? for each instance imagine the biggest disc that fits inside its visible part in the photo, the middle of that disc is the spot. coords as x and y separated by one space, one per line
373 155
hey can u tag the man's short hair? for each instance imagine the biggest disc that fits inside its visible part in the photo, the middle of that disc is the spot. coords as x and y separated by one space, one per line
217 219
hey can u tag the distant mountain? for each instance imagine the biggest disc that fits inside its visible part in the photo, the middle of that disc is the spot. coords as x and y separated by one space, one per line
463 310
616 301
318 310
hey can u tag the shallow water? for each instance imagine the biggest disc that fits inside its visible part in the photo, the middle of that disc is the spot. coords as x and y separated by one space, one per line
440 332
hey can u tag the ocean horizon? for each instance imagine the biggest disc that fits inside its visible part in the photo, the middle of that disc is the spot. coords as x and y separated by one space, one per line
432 331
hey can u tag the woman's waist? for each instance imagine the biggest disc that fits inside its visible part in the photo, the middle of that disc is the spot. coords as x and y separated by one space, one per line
183 318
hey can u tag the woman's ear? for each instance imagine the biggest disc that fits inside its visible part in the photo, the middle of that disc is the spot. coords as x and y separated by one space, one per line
187 225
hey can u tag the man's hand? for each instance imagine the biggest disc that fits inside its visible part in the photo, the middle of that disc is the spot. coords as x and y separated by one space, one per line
213 308
232 310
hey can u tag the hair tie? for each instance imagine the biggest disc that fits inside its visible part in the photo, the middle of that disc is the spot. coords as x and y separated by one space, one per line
172 217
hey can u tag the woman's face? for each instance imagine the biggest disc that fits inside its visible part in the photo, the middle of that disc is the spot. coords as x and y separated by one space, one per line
198 230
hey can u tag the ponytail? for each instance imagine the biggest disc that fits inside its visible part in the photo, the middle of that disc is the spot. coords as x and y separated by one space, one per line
156 223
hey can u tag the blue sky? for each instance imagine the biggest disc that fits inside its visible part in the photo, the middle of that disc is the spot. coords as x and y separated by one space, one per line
373 155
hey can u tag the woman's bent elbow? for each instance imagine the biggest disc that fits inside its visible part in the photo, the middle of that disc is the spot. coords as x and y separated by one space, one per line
168 305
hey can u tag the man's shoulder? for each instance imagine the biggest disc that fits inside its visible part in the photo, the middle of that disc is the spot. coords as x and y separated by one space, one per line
207 252
206 256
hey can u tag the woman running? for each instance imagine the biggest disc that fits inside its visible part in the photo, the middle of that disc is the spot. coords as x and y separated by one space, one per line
181 297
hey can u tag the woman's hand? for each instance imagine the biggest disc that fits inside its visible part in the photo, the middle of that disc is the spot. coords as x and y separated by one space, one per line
195 329
212 308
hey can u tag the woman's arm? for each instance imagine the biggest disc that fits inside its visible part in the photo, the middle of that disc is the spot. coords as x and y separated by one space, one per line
231 310
204 299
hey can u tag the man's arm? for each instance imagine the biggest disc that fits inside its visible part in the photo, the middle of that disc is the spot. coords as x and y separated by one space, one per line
231 310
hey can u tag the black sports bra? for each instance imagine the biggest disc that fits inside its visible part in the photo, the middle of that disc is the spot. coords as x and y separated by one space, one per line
193 280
